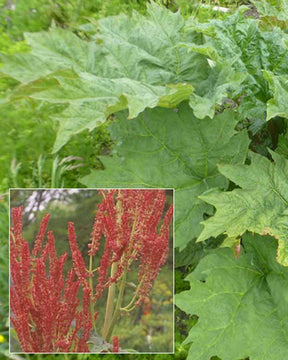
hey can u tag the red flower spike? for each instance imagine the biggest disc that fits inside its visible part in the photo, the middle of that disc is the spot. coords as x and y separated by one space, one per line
41 235
102 272
153 255
78 262
116 345
17 227
96 231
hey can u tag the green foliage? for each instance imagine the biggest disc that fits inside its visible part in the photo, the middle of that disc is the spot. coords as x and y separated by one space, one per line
272 8
241 304
27 149
251 50
132 63
36 15
170 60
263 183
150 153
214 61
277 106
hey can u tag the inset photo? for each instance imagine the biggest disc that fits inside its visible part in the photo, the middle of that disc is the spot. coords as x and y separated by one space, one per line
91 271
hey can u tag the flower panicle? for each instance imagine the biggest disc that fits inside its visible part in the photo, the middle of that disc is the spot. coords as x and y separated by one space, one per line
44 304
41 235
78 262
153 255
17 224
97 231
130 224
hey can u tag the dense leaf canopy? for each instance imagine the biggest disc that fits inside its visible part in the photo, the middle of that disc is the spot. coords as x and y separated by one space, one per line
147 61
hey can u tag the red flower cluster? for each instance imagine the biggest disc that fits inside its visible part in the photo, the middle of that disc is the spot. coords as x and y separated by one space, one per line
45 308
78 262
130 222
44 304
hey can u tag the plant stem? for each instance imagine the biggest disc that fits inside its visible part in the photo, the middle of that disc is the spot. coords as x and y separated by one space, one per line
117 308
107 333
110 302
130 306
91 293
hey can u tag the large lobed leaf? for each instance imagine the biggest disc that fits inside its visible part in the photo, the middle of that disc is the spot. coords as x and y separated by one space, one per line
167 148
260 206
242 304
132 63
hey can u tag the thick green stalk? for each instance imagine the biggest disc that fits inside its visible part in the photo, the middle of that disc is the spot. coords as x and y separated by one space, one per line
110 303
117 308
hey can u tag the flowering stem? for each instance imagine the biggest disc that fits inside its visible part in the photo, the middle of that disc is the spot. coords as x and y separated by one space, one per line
110 302
107 335
91 293
117 308
131 304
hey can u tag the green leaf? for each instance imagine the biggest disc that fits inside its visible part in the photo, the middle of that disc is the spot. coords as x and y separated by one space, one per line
194 252
167 148
52 51
131 63
277 9
221 81
250 50
242 304
282 146
91 99
260 206
277 106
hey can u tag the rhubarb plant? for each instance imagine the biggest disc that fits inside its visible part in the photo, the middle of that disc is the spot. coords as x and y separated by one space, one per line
200 107
143 62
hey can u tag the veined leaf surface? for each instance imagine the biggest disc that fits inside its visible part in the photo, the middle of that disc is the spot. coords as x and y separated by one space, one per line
260 205
242 304
173 149
240 40
131 63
